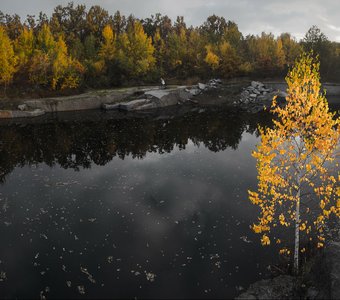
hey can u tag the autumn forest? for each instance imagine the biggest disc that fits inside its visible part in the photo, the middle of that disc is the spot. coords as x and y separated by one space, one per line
80 48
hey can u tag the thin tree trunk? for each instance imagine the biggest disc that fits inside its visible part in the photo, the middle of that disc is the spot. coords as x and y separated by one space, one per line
297 230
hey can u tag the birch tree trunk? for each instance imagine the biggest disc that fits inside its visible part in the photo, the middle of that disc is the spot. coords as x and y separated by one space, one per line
297 228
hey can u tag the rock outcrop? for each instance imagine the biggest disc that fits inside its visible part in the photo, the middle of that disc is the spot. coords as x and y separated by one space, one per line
164 97
152 99
254 91
253 99
281 287
158 98
257 96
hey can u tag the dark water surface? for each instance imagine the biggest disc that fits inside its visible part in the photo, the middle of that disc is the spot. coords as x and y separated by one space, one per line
93 206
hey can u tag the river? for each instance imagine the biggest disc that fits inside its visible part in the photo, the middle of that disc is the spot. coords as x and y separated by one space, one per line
96 205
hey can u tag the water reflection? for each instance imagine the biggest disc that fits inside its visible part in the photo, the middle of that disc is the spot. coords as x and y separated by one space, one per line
142 206
75 144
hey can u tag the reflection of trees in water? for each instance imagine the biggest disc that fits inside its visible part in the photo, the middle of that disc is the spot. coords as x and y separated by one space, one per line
79 144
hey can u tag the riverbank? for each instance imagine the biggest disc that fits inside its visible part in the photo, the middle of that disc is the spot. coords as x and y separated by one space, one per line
214 92
153 96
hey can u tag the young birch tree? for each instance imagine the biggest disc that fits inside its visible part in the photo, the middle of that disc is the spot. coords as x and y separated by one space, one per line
297 162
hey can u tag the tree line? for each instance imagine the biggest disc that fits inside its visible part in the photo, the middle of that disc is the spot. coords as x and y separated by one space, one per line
79 48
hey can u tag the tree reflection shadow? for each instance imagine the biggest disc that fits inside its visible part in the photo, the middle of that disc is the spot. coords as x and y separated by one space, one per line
79 144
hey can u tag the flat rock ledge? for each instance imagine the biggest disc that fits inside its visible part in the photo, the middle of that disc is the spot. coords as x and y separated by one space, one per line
164 97
152 99
129 99
253 98
9 114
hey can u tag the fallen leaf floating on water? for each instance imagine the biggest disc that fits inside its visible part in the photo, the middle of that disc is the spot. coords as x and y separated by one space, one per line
43 211
136 273
3 276
245 239
81 289
89 276
150 276
5 206
42 297
44 236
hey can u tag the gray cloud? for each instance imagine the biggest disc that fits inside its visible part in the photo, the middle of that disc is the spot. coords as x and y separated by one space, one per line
252 16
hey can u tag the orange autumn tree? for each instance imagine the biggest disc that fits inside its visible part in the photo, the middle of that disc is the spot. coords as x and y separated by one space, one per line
297 162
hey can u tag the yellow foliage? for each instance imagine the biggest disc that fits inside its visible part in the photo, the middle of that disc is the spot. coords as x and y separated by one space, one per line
282 219
257 228
24 47
246 68
297 155
229 60
45 39
108 47
302 227
136 51
54 67
108 34
284 251
320 245
8 60
211 58
265 241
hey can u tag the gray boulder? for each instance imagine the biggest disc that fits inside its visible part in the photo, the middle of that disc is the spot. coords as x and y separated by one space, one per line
194 92
256 96
22 107
256 84
202 86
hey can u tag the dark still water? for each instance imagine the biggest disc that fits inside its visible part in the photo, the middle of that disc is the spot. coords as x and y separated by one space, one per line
93 206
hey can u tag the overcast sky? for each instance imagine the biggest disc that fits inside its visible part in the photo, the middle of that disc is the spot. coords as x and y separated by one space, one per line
252 16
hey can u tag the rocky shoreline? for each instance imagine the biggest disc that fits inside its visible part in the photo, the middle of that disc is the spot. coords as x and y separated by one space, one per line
319 279
253 99
251 96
